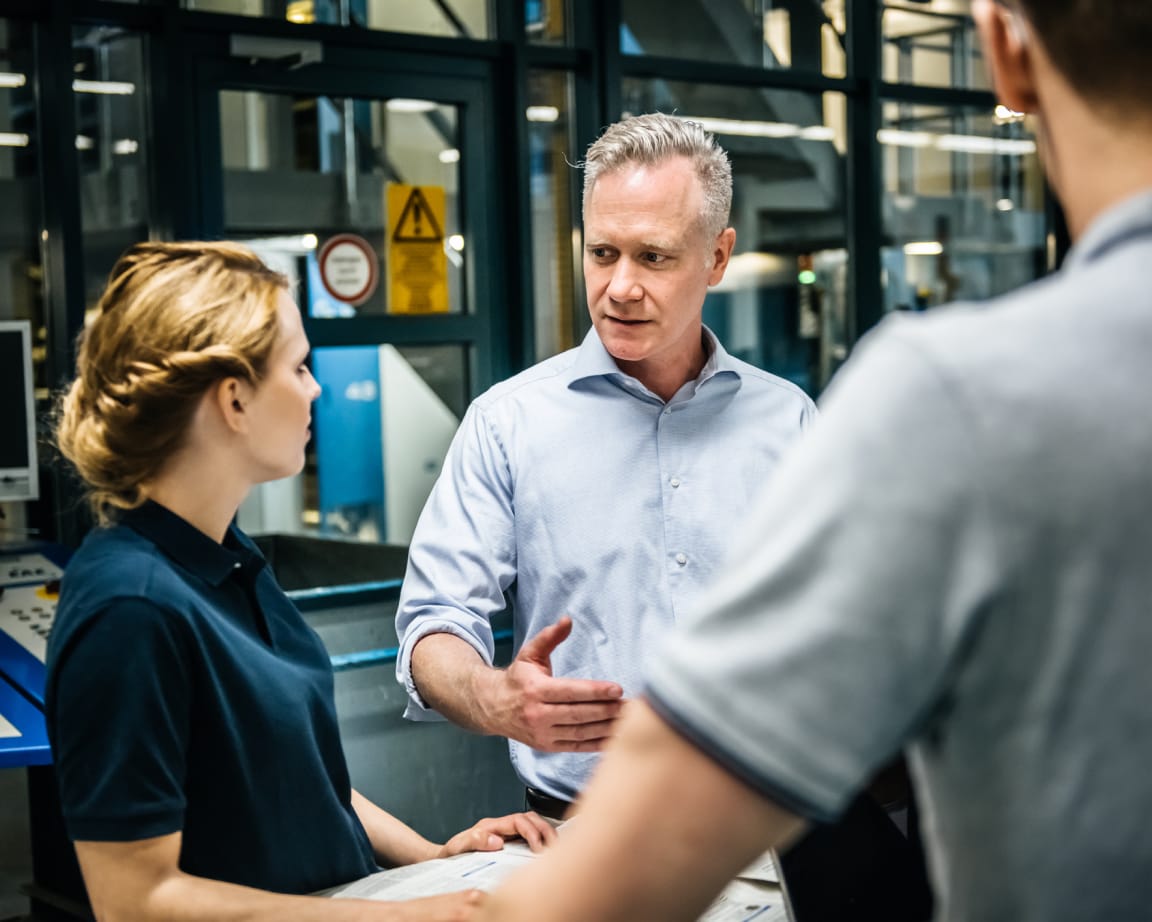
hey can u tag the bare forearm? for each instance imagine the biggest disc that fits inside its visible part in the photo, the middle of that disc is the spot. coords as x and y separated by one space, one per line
394 842
661 830
452 678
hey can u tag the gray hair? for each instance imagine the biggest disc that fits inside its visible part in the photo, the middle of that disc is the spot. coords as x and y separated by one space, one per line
646 140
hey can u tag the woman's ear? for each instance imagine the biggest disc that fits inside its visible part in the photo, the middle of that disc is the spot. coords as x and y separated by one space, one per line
230 397
1008 50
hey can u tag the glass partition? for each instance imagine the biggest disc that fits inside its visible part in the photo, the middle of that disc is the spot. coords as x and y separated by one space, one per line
801 34
782 303
963 208
112 146
376 179
381 428
451 18
546 22
557 288
932 44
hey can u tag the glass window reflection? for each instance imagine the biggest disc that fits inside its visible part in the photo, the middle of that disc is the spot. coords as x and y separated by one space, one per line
381 428
555 190
800 34
932 44
781 305
368 167
449 18
546 22
21 270
112 146
963 205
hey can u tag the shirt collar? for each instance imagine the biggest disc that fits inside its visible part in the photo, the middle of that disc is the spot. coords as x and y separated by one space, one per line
593 360
188 546
1130 218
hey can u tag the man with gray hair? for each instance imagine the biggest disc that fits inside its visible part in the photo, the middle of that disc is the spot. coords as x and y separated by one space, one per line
596 492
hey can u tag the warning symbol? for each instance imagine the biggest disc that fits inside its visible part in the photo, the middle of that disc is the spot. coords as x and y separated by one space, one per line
417 263
417 223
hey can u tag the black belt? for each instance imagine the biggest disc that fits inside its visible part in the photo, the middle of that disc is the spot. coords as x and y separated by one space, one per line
545 804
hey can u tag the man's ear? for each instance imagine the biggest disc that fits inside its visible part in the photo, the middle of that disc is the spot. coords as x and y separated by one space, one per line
230 397
721 254
1007 49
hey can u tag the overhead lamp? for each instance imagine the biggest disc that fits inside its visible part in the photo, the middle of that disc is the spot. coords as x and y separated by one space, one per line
10 81
83 142
542 113
897 138
1002 115
125 146
13 139
745 128
409 105
1005 204
104 87
456 241
924 248
957 143
449 155
977 144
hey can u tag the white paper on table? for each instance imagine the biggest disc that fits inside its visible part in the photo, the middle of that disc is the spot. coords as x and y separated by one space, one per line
753 895
763 869
7 729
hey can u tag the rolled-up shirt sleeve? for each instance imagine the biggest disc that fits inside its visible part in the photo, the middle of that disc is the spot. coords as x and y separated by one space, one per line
118 712
462 558
828 639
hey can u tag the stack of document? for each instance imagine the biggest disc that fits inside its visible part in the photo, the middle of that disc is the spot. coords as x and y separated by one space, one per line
755 893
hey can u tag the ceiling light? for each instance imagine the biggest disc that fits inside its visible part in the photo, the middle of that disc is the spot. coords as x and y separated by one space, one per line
11 81
409 105
924 248
976 144
542 113
105 87
125 146
13 139
450 155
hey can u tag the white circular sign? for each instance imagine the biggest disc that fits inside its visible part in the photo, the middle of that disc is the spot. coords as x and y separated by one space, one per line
348 268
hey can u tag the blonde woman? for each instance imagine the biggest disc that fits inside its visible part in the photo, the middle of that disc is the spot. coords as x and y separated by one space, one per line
190 707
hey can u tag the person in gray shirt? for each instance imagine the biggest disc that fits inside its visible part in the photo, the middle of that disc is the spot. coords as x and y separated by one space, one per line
956 561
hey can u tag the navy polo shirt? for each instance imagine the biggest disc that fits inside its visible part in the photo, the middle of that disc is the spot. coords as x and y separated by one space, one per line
186 693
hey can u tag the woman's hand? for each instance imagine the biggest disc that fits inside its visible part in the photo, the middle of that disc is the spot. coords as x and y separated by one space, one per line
489 834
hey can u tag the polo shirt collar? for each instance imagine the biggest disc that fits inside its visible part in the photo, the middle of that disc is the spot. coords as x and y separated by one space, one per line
188 546
1120 223
593 360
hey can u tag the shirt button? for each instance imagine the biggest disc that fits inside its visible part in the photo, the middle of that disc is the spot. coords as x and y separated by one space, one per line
681 559
668 411
675 481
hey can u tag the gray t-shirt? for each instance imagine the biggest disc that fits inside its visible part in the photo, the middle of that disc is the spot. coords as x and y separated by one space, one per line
958 559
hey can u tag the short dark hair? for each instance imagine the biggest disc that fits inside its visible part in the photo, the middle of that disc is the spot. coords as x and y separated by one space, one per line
1100 46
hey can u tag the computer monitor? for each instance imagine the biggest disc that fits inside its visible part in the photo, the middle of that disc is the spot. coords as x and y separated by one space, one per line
18 472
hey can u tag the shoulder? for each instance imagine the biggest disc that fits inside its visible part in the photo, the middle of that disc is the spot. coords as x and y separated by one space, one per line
116 568
543 378
773 386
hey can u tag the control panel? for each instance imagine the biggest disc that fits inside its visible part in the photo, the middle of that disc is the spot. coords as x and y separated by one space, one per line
27 567
29 588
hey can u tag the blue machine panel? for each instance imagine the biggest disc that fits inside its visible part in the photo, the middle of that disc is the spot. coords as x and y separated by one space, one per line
23 738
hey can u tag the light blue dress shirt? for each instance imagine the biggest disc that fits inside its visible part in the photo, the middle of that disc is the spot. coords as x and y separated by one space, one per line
573 489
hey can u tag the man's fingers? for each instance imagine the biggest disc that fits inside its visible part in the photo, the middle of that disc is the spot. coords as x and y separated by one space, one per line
539 649
580 692
572 733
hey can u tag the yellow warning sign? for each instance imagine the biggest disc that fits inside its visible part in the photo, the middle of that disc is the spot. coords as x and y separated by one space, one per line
417 264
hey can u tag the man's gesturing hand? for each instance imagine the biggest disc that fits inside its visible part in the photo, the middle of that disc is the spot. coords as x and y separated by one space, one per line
527 703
